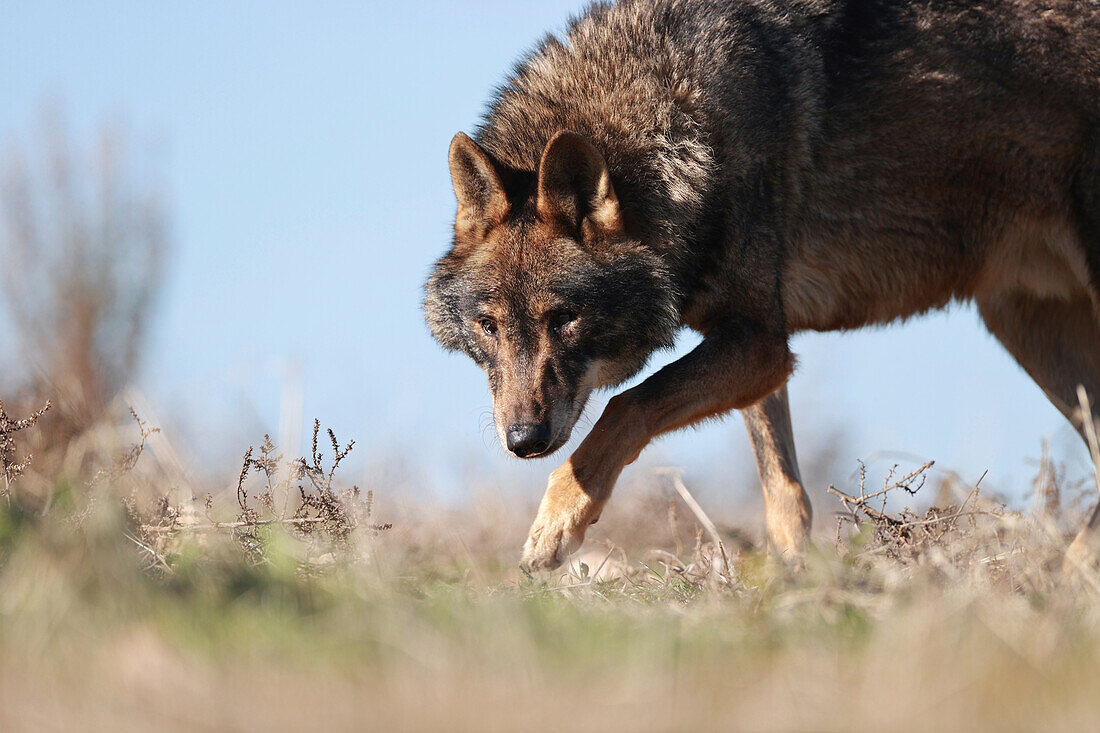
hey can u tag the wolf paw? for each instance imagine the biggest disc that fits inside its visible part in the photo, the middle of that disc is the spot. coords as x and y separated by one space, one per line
547 547
565 513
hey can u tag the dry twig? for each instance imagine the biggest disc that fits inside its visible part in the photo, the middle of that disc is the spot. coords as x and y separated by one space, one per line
704 520
9 466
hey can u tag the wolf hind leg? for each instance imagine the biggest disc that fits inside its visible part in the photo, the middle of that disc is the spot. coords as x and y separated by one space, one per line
786 506
1057 342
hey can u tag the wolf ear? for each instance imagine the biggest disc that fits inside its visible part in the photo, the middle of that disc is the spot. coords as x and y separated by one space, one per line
575 185
482 202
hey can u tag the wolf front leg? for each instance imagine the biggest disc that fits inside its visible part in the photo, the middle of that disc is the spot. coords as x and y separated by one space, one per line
730 369
786 506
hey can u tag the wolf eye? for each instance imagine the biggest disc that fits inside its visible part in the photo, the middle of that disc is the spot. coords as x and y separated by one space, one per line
488 325
561 318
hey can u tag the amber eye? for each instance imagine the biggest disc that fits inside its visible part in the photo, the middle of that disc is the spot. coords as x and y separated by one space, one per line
561 318
488 325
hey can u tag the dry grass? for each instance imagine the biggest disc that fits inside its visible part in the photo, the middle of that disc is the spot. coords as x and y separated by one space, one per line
289 605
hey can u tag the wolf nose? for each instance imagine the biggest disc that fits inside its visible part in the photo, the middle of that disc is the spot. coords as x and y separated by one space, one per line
527 439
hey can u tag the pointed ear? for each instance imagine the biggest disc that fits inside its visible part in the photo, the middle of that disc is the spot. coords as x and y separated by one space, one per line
482 202
575 185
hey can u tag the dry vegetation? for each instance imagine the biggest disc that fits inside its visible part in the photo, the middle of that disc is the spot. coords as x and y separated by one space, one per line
286 604
83 235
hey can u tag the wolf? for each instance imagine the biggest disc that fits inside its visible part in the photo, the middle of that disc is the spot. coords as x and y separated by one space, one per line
750 169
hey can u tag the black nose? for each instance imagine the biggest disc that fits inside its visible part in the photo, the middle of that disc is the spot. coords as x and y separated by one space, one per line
528 438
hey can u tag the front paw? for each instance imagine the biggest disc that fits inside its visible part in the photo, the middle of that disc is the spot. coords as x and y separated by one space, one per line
565 513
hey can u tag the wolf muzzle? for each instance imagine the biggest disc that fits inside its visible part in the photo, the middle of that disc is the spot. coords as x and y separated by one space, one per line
528 439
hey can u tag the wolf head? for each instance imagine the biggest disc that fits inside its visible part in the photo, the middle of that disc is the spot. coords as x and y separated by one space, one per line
546 288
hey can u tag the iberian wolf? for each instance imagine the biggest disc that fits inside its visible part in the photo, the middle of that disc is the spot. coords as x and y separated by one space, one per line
750 169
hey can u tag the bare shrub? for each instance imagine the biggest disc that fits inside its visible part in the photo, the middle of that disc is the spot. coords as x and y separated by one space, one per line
11 466
82 242
324 515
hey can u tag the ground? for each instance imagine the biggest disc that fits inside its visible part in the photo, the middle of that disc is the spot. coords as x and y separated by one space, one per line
130 615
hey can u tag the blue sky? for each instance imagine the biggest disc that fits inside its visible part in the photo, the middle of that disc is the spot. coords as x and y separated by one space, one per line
303 158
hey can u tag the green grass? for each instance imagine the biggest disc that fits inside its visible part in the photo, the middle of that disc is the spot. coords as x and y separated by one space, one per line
92 637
